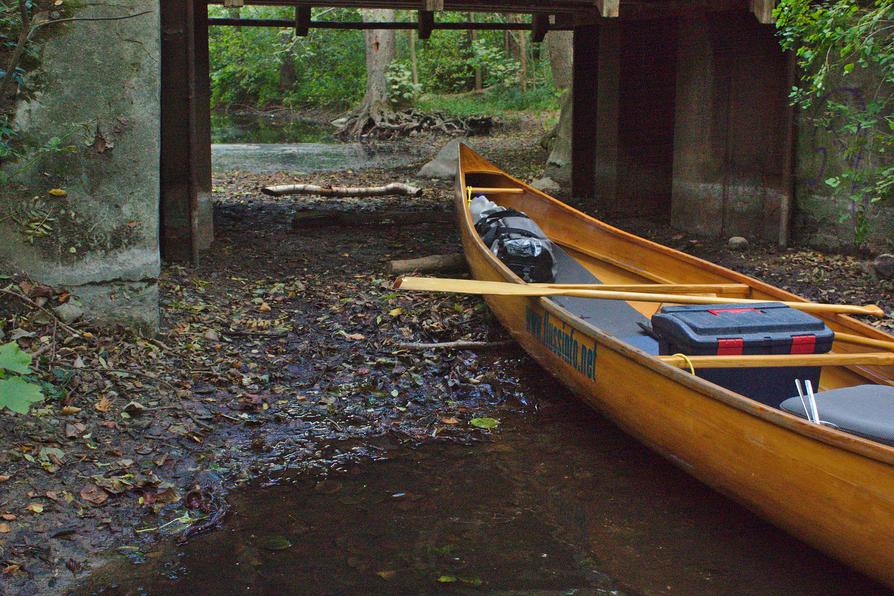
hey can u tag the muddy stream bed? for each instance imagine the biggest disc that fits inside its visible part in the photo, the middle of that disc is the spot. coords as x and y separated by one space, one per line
277 436
558 501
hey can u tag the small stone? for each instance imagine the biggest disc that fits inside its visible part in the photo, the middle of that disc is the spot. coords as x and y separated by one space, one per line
212 335
134 408
445 162
737 243
883 265
547 185
69 312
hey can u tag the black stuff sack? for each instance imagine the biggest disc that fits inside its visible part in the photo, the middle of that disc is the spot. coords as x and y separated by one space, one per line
516 240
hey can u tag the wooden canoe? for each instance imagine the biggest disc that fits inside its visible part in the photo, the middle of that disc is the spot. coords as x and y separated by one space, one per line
832 489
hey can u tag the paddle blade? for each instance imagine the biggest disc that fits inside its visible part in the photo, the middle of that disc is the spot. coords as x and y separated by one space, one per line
469 286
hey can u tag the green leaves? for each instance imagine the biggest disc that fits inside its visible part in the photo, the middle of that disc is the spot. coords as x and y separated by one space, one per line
484 423
845 55
17 394
13 359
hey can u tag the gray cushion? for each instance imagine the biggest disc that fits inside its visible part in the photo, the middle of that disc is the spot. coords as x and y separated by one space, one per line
614 317
865 410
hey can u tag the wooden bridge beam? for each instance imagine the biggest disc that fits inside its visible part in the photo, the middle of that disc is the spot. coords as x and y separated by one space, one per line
302 21
585 84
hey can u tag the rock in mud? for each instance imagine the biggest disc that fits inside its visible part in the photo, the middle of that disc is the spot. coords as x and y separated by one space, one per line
69 312
737 243
547 185
883 265
445 162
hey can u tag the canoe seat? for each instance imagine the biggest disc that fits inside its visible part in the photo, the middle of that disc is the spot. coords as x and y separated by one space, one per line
864 410
614 317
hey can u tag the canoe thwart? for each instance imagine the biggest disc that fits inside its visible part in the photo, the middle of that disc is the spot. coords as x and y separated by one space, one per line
499 288
777 360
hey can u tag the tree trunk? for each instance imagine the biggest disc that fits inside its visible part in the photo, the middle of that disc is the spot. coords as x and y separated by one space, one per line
523 61
413 66
561 49
561 54
288 76
473 36
558 165
380 49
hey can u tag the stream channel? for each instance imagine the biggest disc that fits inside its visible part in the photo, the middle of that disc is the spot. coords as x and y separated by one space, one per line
276 143
555 500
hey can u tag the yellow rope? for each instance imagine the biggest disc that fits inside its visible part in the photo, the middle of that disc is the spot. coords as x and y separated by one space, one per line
688 361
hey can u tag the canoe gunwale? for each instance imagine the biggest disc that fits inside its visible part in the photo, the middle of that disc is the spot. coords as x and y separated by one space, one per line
835 438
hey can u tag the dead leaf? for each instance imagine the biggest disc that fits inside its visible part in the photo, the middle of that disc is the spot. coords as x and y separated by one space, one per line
450 420
73 431
57 192
4 528
11 569
70 410
264 307
94 495
35 508
386 574
103 405
8 516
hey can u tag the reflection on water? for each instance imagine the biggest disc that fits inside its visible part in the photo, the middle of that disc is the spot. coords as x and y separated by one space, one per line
302 157
267 127
560 501
260 142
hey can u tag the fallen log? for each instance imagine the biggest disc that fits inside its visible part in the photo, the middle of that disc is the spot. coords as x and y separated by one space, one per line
394 188
319 218
457 345
430 264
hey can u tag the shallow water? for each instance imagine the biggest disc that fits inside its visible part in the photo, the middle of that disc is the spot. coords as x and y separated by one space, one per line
303 157
267 127
263 142
558 501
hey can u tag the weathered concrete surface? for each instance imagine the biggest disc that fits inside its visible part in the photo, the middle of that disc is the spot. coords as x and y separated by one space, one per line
97 88
729 138
822 217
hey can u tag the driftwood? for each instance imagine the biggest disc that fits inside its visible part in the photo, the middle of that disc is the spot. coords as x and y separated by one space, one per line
395 188
457 345
319 218
430 264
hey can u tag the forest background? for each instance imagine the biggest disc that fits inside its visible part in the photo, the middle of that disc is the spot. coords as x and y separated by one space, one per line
460 73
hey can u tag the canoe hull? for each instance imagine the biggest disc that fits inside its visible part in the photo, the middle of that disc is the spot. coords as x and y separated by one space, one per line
834 498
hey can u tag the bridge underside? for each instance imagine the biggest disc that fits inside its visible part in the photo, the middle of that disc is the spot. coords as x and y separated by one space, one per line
679 110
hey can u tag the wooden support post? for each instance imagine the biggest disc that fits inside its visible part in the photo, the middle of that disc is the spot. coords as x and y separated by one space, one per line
539 27
179 193
201 129
234 3
585 85
763 10
426 23
609 8
302 20
431 5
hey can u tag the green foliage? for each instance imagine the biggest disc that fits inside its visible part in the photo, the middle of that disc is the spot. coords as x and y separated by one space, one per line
402 91
845 51
494 100
260 66
263 67
17 393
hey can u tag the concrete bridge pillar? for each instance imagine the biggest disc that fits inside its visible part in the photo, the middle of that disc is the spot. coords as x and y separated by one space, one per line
97 89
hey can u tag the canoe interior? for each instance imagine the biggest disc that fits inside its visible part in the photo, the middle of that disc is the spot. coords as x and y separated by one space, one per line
612 256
